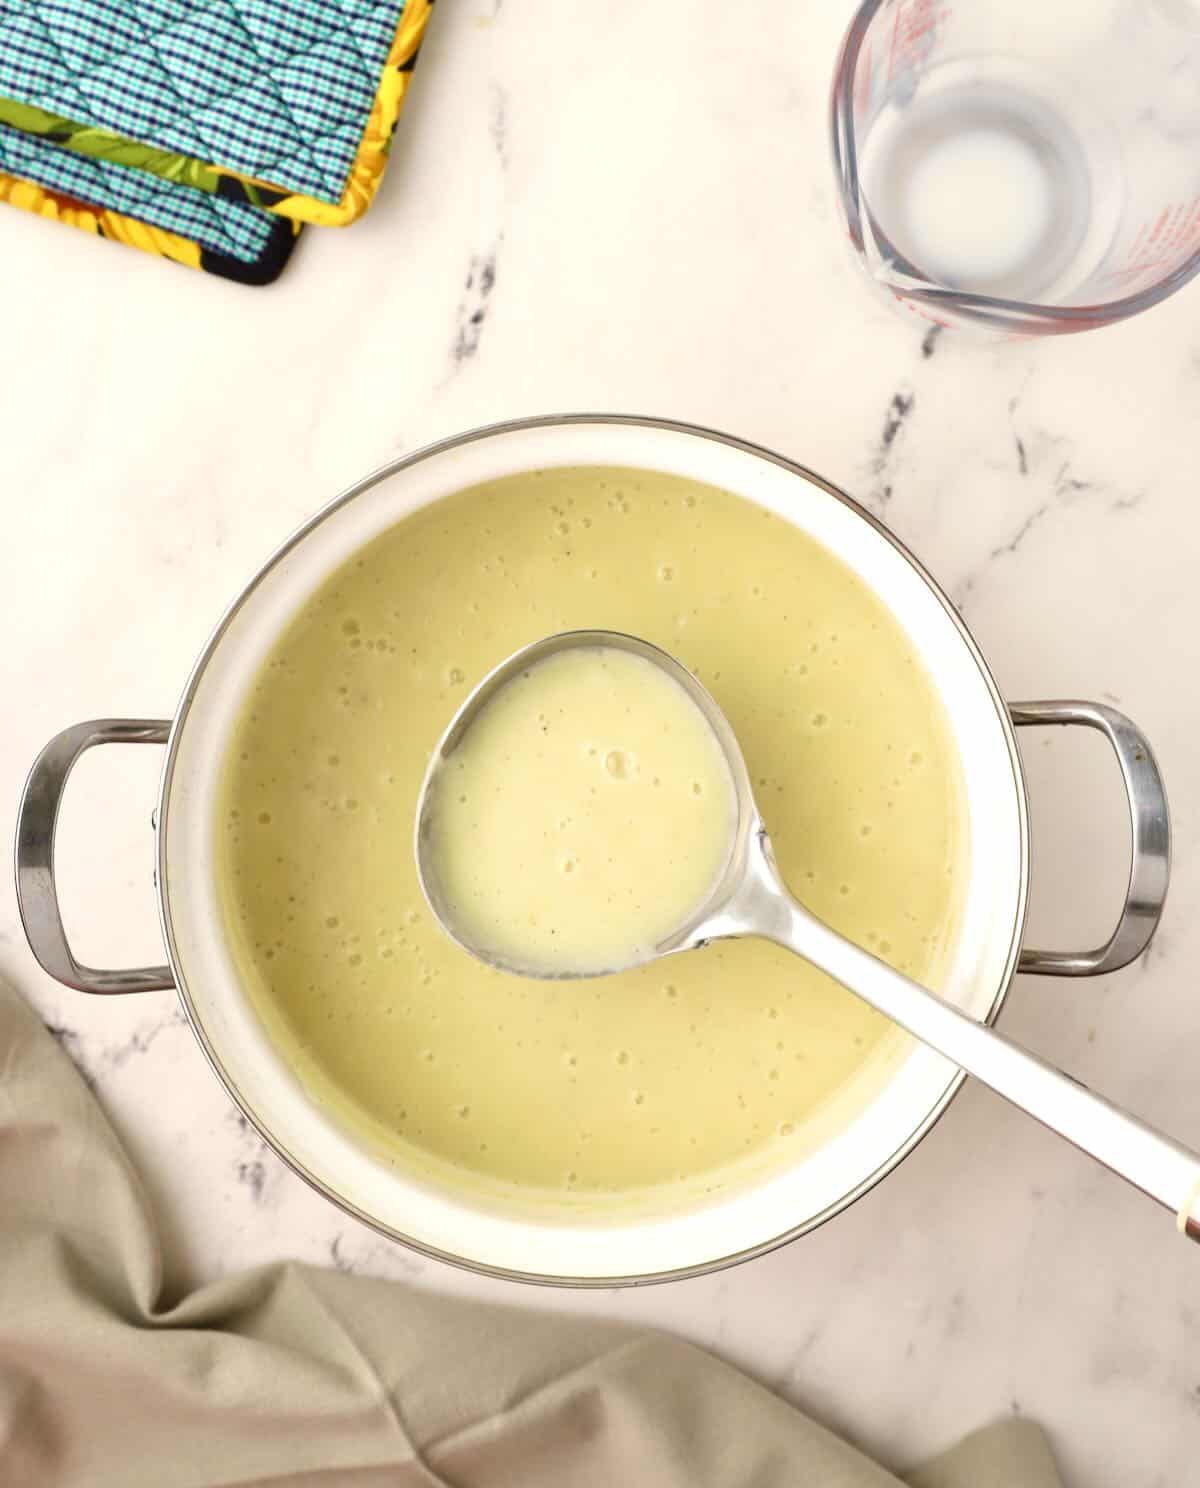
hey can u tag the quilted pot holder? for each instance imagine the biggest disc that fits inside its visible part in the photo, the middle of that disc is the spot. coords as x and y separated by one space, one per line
205 131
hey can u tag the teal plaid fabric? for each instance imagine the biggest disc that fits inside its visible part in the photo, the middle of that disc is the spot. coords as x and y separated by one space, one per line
278 89
228 229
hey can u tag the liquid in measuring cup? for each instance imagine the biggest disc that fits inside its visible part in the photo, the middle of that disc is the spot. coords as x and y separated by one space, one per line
986 186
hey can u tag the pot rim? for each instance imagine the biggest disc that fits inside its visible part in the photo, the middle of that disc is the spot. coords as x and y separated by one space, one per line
300 534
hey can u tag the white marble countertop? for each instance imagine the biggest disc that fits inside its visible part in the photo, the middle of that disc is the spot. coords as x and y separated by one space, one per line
650 188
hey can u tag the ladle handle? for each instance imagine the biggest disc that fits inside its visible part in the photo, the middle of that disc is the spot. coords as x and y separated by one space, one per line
1148 1159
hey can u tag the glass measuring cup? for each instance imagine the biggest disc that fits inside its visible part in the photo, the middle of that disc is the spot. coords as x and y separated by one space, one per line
1031 167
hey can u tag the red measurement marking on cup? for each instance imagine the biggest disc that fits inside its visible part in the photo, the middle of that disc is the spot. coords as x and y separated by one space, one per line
914 31
864 78
1158 248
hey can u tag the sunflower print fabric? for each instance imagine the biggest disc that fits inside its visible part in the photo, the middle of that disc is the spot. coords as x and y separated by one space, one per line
98 220
288 110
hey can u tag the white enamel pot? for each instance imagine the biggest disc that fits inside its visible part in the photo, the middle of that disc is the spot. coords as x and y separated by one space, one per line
985 956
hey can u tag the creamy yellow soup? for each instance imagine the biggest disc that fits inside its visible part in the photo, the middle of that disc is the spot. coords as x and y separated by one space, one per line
585 815
653 1087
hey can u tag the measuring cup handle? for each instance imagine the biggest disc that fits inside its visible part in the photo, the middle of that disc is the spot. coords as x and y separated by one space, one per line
37 818
1150 866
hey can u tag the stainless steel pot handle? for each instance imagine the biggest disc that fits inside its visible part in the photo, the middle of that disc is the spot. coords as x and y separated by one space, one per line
37 895
1150 867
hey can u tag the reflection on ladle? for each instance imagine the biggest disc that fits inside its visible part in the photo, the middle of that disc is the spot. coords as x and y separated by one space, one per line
741 893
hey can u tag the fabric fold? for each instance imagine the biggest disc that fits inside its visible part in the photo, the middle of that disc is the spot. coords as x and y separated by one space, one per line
292 1377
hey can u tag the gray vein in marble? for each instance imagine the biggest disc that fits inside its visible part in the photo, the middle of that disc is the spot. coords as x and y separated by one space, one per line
958 1315
142 1038
1050 461
339 1260
1012 545
929 341
361 1252
473 308
791 1368
1067 485
1021 533
254 1175
481 275
917 1328
259 1166
898 412
71 1043
1128 503
1156 952
88 1059
498 121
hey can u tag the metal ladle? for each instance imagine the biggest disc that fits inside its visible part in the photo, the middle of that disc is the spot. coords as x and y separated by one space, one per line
750 898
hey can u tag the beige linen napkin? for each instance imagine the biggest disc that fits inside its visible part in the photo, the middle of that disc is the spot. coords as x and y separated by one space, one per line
294 1376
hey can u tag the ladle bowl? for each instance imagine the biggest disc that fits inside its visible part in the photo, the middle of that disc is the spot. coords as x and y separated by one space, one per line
750 898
